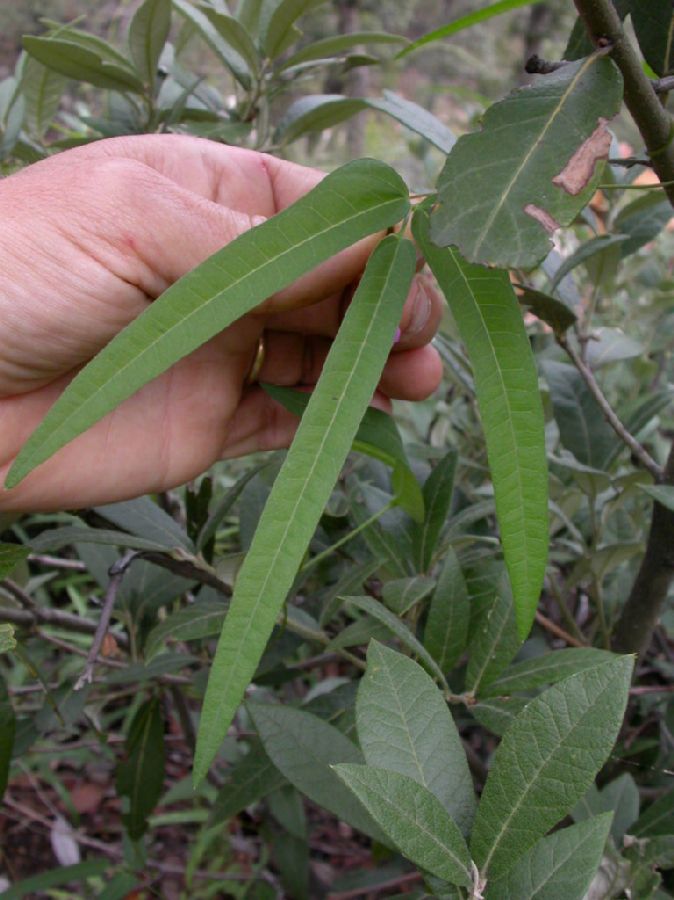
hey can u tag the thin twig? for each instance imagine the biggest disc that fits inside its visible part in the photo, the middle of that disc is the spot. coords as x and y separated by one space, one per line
637 449
55 618
19 594
56 562
117 572
555 629
400 881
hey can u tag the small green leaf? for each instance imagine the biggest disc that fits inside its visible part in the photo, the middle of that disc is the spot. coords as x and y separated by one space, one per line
41 89
654 27
642 221
531 168
249 780
359 199
277 23
198 620
303 748
548 309
437 492
303 486
148 33
146 519
57 538
82 64
546 761
446 631
333 46
140 776
210 34
561 865
547 669
235 34
485 308
401 594
7 639
413 819
64 875
10 557
404 726
663 493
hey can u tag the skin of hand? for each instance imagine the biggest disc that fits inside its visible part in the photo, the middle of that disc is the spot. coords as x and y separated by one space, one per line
90 237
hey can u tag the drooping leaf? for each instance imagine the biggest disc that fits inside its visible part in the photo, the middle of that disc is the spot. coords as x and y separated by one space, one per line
146 519
546 669
446 631
210 34
377 436
560 865
304 748
82 64
303 486
360 198
654 27
485 308
320 111
412 818
10 557
333 46
582 427
198 620
249 780
140 776
148 33
41 89
404 725
550 310
531 168
546 761
467 21
437 492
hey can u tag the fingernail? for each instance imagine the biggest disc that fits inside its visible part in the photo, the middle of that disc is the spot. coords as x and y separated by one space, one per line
421 311
397 336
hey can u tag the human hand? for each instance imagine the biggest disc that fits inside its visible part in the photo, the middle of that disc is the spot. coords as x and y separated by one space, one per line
88 238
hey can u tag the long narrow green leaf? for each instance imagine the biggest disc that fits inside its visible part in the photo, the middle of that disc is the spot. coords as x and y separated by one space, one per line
303 486
36 884
446 631
356 200
210 34
487 313
140 776
82 64
467 21
148 32
333 46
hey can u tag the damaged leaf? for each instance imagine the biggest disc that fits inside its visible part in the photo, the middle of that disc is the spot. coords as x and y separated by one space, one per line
531 168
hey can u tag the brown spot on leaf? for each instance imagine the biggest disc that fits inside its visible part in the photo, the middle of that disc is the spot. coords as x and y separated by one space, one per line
542 217
577 173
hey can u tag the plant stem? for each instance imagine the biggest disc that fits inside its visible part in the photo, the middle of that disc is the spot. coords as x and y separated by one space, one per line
653 121
656 573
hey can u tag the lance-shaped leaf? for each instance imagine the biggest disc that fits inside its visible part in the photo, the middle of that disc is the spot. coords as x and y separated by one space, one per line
531 168
546 669
82 63
277 23
494 639
148 32
546 761
304 484
654 27
198 620
437 499
446 631
358 199
140 776
41 89
486 310
334 46
404 726
560 865
210 34
412 818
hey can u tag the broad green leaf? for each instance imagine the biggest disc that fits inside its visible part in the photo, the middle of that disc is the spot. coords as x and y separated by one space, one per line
148 33
82 64
404 726
333 46
7 639
379 612
531 168
582 427
359 199
198 620
619 797
663 493
658 819
494 639
57 538
485 308
546 761
249 780
320 111
7 730
413 819
401 594
561 865
146 519
10 557
547 669
303 486
304 748
210 34
446 630
140 776
467 21
437 492
234 33
64 875
585 252
642 221
41 89
548 309
377 436
653 23
277 29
